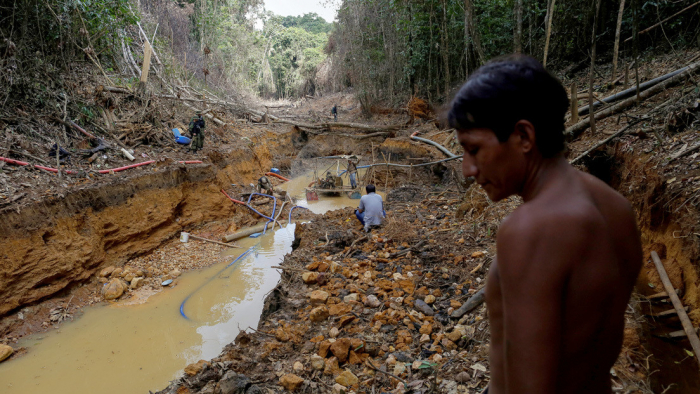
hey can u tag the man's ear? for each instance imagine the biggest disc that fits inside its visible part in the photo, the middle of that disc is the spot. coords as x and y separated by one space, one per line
526 131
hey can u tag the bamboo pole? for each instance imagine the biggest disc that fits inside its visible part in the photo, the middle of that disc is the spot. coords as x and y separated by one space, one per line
678 305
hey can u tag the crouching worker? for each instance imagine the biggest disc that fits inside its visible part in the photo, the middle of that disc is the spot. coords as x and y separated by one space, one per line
371 210
196 130
264 186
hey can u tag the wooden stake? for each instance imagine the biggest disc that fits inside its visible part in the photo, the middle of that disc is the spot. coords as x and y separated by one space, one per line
574 102
627 76
678 305
146 62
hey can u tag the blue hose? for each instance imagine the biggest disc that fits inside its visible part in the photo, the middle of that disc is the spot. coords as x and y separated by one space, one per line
290 212
274 205
182 306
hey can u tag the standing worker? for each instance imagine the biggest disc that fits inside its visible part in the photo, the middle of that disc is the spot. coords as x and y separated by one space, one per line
196 130
371 210
352 170
334 112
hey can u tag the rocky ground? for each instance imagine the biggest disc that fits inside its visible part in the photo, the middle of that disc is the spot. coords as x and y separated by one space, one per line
389 311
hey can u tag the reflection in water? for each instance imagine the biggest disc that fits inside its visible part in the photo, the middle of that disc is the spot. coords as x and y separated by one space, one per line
136 348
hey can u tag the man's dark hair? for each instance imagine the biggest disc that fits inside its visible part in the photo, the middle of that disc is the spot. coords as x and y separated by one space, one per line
370 188
507 90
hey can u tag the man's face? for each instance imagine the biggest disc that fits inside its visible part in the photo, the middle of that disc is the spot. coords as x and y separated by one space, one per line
498 167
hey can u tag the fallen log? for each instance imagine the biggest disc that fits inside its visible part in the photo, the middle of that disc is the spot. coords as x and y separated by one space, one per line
472 303
248 231
575 130
629 92
678 305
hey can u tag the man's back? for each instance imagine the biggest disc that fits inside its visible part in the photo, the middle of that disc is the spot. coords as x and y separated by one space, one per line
567 262
373 207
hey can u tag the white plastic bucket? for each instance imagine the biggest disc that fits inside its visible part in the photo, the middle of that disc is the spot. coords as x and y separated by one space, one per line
184 237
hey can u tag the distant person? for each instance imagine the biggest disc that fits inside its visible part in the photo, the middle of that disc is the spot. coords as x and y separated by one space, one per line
567 258
196 130
264 186
352 171
334 112
371 210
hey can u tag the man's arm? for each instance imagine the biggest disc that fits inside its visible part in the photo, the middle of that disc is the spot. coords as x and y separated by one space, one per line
535 256
361 208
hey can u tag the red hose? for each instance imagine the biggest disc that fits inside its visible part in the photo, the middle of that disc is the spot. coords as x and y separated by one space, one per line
234 200
11 161
190 162
126 167
278 176
53 169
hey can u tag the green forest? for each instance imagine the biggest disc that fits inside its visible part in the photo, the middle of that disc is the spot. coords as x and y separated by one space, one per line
386 50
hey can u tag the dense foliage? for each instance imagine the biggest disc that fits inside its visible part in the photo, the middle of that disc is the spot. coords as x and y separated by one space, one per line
391 49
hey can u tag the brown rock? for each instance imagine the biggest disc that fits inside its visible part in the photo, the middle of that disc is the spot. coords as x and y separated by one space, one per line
347 379
353 358
331 367
318 297
281 334
429 299
357 344
447 344
323 348
339 309
323 267
5 352
174 273
312 266
319 314
426 328
340 349
309 277
454 336
195 368
106 271
291 382
455 304
477 255
136 283
345 320
113 289
117 272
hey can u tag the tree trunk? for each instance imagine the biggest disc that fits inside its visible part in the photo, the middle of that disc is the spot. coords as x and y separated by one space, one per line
550 12
518 34
590 76
444 48
635 9
469 11
617 39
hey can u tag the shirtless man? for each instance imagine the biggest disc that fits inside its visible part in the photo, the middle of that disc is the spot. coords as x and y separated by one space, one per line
567 258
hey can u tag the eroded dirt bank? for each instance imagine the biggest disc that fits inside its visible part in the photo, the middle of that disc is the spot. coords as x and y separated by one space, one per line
49 246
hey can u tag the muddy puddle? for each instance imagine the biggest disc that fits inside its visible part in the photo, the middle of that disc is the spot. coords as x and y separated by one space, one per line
134 348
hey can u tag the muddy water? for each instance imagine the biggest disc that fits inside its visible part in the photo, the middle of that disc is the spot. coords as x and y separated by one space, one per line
135 348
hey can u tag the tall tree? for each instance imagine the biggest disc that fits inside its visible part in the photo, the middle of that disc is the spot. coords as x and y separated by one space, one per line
591 97
444 48
550 13
518 33
476 39
616 48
